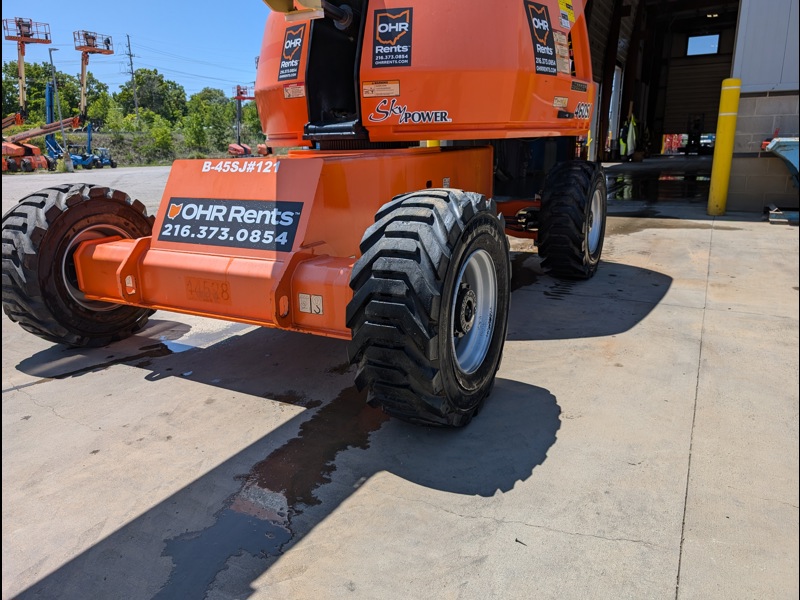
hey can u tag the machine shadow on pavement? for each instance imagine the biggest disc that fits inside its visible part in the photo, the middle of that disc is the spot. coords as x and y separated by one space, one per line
275 491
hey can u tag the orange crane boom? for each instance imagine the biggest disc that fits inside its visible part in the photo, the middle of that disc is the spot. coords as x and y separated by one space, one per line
71 122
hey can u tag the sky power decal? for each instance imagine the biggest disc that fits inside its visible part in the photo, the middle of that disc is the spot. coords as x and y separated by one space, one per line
387 109
252 224
292 51
542 37
392 47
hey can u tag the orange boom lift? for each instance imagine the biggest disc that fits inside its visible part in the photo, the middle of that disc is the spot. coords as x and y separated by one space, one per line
427 131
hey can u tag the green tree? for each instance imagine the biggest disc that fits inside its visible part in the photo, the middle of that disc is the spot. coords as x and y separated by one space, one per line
37 76
113 119
99 109
202 101
251 124
194 132
10 91
161 132
164 97
220 125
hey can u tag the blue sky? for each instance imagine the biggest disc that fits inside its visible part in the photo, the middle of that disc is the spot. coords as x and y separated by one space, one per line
197 44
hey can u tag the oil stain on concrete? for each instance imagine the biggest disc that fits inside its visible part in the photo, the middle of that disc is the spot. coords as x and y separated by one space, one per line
258 519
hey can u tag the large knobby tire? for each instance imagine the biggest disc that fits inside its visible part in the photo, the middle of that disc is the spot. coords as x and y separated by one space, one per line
40 288
572 221
429 312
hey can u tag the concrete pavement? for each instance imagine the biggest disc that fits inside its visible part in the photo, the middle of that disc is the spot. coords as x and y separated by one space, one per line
641 442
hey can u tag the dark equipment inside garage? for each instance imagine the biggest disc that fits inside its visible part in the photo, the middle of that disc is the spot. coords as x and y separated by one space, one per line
663 62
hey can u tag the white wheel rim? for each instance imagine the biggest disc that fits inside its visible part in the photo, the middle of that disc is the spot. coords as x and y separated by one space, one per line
595 221
473 311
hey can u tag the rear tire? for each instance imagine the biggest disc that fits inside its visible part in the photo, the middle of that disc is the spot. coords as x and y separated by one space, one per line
40 289
430 306
13 165
113 164
27 165
572 220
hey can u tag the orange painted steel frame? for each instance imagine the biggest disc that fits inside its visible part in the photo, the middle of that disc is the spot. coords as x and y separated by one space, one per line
463 91
340 194
465 86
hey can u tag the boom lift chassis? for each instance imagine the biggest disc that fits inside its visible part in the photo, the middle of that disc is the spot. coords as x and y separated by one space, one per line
274 241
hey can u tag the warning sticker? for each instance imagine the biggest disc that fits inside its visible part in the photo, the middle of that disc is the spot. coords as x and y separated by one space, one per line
562 52
294 90
567 14
560 102
309 303
562 48
392 44
541 35
292 51
380 89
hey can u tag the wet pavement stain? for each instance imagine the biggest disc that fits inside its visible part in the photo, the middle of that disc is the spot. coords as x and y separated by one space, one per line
257 519
661 178
522 275
154 351
306 462
198 557
626 226
294 398
340 369
560 290
642 213
659 186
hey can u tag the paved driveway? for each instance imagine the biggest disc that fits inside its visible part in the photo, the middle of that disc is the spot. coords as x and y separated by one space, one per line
641 442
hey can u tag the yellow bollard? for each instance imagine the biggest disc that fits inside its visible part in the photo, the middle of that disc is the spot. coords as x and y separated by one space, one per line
723 146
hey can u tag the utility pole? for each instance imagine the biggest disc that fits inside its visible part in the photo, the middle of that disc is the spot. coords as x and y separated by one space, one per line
133 77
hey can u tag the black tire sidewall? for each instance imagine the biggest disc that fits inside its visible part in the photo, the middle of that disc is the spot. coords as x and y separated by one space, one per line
471 389
52 250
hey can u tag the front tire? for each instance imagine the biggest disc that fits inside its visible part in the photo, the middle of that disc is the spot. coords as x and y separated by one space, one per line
572 221
40 288
430 306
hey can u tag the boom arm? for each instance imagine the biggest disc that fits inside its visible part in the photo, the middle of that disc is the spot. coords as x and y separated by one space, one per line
71 122
15 119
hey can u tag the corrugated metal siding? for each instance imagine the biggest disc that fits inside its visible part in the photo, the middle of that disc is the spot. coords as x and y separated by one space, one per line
599 26
693 88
